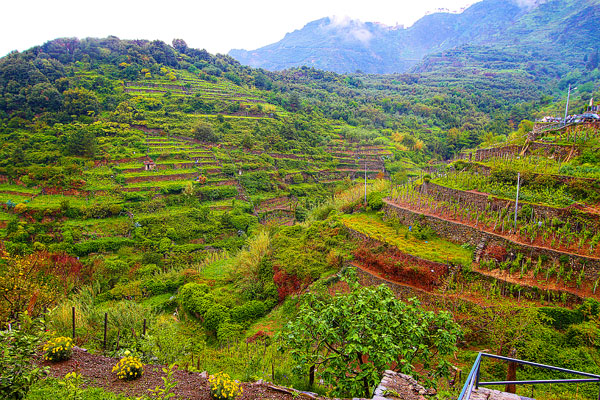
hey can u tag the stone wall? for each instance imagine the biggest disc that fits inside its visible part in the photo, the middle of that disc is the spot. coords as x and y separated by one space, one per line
507 288
557 151
482 200
496 152
156 178
459 233
547 149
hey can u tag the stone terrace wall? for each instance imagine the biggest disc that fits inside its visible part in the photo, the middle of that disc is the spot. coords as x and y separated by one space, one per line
459 233
156 178
507 288
551 149
484 154
482 200
548 149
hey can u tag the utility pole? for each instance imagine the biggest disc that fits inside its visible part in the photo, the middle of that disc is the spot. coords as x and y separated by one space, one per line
567 106
517 200
365 180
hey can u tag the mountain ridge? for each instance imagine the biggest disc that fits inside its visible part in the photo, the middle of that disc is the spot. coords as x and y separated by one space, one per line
348 46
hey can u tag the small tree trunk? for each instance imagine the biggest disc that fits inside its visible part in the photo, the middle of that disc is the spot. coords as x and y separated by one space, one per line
311 376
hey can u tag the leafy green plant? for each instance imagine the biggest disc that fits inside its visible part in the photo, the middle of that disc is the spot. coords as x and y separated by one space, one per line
72 384
334 335
163 392
17 368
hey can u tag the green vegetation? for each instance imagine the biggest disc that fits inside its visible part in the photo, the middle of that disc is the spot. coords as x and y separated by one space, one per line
407 239
182 192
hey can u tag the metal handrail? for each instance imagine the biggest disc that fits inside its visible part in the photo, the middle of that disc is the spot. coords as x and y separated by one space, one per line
473 378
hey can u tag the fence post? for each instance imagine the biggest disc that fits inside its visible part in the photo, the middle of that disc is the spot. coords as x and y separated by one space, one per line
105 325
73 315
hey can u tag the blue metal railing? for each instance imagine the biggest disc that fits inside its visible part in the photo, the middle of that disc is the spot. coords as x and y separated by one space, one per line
473 378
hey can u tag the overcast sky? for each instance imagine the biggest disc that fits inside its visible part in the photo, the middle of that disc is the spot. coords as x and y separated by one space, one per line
215 25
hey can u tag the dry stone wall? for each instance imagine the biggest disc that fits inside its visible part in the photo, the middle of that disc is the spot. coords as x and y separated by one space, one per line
460 233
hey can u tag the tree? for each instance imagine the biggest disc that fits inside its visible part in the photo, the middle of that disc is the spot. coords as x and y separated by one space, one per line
80 101
81 141
180 45
204 132
351 338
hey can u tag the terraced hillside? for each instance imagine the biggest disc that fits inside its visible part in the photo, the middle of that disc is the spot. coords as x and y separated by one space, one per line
549 249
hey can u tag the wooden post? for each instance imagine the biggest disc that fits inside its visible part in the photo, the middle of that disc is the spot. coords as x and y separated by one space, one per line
512 372
105 328
73 315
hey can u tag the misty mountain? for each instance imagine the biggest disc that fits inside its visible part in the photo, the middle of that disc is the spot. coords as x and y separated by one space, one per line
344 45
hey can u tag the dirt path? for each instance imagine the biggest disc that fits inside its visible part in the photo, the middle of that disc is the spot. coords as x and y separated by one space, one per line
97 372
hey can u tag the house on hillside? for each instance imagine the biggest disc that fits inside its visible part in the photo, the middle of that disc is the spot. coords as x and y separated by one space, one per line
149 165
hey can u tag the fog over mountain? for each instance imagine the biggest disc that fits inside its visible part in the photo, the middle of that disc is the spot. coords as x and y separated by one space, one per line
344 45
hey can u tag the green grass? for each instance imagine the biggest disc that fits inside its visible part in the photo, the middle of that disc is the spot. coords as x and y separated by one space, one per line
4 197
218 270
162 172
18 188
50 388
53 201
434 249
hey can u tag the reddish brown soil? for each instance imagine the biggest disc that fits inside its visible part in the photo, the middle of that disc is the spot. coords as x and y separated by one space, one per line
585 291
97 372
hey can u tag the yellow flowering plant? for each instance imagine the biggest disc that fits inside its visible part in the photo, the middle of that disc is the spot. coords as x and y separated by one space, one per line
58 349
223 387
129 368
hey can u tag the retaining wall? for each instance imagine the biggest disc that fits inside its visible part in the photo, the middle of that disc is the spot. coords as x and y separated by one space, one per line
156 178
459 233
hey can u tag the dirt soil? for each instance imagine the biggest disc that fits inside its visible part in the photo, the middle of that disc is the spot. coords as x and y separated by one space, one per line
97 372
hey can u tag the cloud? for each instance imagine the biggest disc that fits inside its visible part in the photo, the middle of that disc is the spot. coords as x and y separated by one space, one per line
350 29
528 3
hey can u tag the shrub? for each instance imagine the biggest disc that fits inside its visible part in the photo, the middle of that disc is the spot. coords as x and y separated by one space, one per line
375 200
562 318
423 232
223 387
249 311
215 316
58 349
129 368
297 178
195 298
17 368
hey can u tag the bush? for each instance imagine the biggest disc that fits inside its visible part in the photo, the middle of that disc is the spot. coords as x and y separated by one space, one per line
215 316
129 368
375 200
562 318
297 178
423 232
223 387
249 311
58 349
195 298
17 369
584 334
